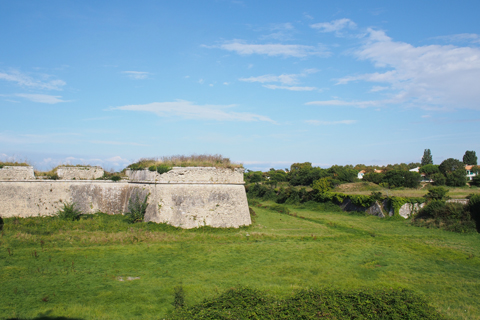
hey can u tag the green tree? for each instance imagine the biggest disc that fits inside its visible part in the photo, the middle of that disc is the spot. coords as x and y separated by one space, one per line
470 158
454 171
429 169
322 185
427 157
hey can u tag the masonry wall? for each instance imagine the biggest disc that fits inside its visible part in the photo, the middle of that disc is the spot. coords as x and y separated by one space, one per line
210 175
17 173
181 204
79 173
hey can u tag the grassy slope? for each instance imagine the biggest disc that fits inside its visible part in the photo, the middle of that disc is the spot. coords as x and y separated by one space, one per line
78 264
367 188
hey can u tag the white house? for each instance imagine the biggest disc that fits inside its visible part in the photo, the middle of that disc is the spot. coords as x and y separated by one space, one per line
470 173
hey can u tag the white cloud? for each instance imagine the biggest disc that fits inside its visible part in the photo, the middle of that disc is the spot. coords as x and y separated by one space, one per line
334 26
378 88
462 37
27 81
189 110
280 31
430 77
41 98
137 75
283 78
292 88
345 103
272 49
201 81
324 123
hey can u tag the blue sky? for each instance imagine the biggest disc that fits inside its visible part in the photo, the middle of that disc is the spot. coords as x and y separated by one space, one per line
265 83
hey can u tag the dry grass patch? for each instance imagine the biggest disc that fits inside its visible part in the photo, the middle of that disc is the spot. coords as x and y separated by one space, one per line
203 160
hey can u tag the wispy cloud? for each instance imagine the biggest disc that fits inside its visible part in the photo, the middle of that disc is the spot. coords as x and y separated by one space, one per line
119 143
279 31
283 78
462 37
41 98
327 123
429 77
361 104
291 88
286 79
273 49
189 110
24 80
334 26
137 75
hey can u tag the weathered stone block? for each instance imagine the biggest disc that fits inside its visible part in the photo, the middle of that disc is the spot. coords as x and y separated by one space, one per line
79 173
16 173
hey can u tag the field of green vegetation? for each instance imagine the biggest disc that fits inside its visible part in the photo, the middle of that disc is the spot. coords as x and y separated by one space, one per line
101 267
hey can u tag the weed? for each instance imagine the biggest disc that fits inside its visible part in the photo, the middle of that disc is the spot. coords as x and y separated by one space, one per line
136 208
69 212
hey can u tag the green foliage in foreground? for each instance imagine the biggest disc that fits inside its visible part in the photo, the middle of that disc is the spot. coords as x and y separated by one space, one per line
81 269
247 303
69 212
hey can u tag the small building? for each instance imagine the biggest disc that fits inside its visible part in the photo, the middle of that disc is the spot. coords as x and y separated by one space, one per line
361 174
470 172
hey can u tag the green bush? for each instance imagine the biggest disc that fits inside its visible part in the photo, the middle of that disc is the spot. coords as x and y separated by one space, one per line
69 212
115 178
449 216
437 193
1 224
247 303
179 297
163 168
475 181
136 208
438 179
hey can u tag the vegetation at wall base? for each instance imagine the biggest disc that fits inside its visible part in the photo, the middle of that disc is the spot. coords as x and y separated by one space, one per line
69 212
136 207
312 303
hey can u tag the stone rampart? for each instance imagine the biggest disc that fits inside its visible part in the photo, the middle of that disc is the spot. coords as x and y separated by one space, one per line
189 175
79 173
17 173
186 205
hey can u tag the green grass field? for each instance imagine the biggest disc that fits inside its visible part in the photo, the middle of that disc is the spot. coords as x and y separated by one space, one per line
54 268
366 188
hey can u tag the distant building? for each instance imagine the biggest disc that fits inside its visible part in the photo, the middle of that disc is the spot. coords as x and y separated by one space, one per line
360 174
470 173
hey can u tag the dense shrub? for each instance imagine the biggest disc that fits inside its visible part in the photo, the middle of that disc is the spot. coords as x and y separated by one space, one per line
475 181
437 193
456 179
374 177
246 303
449 216
69 212
136 208
474 207
400 178
438 179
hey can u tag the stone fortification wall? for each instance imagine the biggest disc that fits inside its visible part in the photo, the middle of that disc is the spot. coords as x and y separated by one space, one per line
189 175
17 173
44 198
79 173
186 205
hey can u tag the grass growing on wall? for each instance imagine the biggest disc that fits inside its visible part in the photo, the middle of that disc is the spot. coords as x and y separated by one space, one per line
203 160
102 267
13 164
